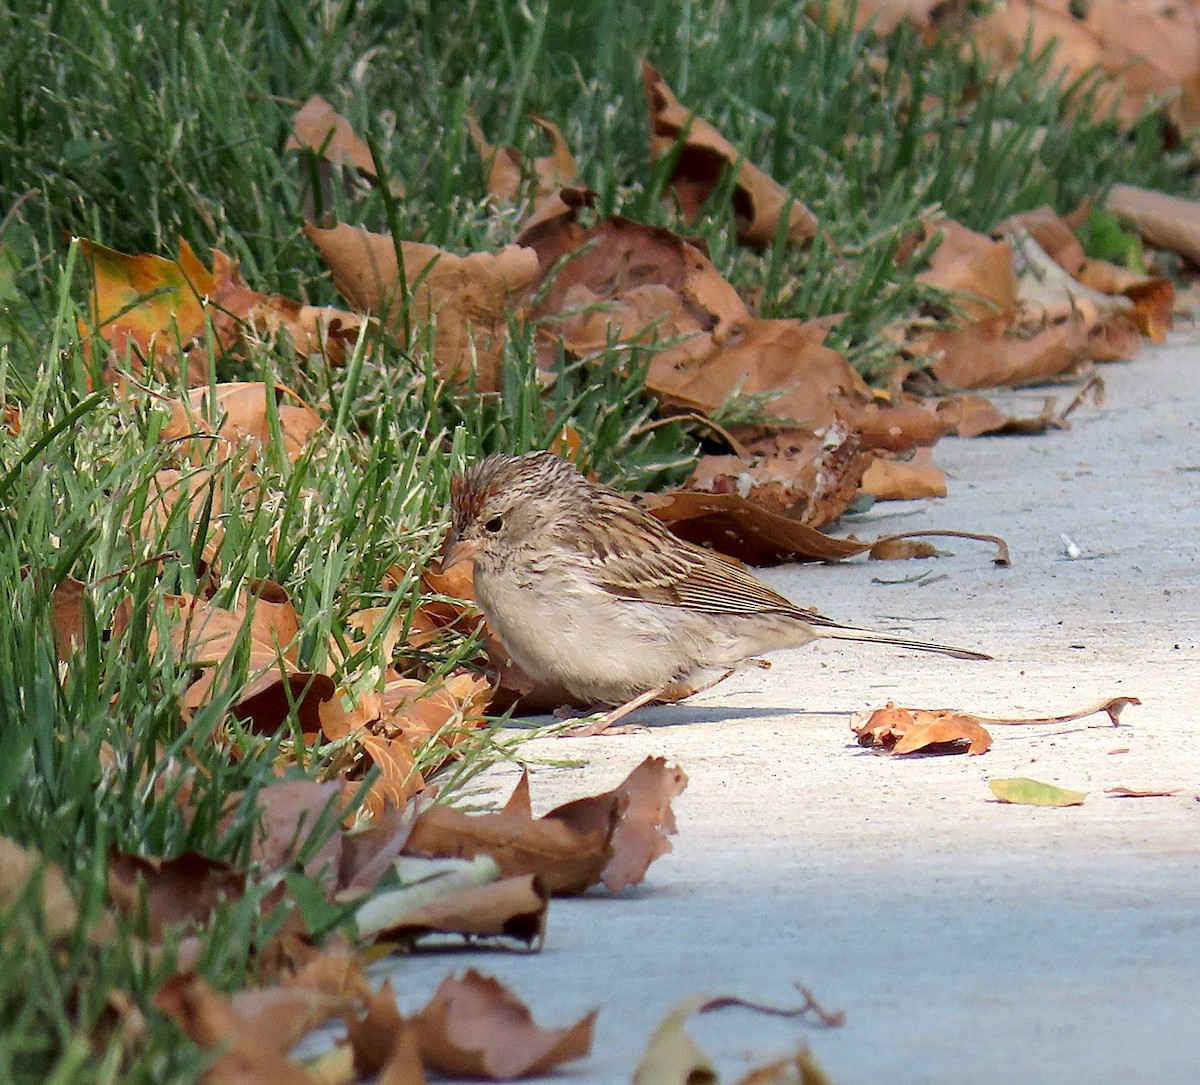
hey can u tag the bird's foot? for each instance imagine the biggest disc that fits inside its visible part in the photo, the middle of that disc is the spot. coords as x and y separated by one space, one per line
601 727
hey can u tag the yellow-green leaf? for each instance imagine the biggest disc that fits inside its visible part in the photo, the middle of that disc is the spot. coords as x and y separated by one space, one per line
1021 789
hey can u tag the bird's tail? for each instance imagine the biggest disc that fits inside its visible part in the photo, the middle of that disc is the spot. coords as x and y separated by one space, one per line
849 632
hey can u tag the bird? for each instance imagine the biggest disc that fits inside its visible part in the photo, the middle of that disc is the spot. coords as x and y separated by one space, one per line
590 592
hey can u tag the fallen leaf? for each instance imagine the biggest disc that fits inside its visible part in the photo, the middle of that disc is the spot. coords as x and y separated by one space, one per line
67 603
475 1027
1027 792
206 635
907 730
374 1035
903 480
799 1069
507 169
645 819
1148 52
184 889
567 860
1152 297
759 202
511 907
318 127
984 354
672 1057
1168 222
18 866
796 474
1051 231
466 299
1138 793
902 550
974 268
238 414
734 526
247 1054
289 811
612 837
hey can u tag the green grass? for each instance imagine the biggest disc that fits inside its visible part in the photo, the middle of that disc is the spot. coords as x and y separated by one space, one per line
137 123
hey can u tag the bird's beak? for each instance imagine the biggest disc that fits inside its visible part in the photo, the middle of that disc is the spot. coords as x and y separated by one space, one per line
457 551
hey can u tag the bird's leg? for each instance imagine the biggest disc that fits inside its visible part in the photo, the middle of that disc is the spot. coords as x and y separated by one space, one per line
604 725
672 692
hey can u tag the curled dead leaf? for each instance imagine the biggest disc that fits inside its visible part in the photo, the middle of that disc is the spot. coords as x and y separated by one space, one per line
908 730
467 299
475 1027
759 202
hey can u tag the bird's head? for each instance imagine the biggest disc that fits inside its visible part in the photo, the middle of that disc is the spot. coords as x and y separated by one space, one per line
506 503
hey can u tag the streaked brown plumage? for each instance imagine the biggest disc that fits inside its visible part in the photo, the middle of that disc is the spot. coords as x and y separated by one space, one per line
591 592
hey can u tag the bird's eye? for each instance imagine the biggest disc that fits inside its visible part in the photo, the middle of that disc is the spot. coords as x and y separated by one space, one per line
494 524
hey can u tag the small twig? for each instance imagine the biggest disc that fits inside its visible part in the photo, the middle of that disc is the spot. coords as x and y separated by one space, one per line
1095 384
739 449
166 555
1001 558
1112 708
824 1017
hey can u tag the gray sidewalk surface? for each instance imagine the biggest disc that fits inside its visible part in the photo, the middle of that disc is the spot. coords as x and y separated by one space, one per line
966 940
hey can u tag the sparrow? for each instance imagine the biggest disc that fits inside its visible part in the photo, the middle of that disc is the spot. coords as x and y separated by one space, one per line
592 593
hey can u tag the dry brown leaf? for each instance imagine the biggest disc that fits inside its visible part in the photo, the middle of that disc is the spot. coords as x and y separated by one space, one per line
815 383
176 891
241 418
475 1027
374 1035
901 425
974 267
1167 222
248 1055
654 286
318 127
1153 297
907 730
398 780
734 526
758 200
1149 51
152 308
612 837
512 908
982 354
368 851
799 1069
200 489
67 606
288 812
637 284
205 635
903 480
565 859
18 865
447 710
283 1016
507 169
1051 231
469 297
1121 792
642 802
902 550
795 474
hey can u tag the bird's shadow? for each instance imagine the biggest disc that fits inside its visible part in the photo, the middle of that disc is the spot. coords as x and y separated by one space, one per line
661 717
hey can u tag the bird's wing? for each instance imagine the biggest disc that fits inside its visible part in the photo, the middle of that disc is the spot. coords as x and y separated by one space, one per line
661 568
